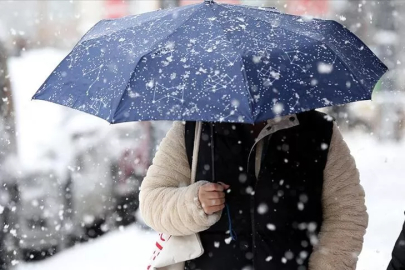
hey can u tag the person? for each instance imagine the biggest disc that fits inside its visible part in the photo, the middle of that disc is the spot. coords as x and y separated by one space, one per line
286 194
398 254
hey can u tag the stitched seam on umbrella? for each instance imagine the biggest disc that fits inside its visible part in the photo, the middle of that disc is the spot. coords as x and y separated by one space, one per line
151 50
315 39
126 87
244 69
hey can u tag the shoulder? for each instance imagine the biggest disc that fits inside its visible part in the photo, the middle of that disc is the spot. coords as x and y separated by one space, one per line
174 136
178 126
314 117
176 131
316 125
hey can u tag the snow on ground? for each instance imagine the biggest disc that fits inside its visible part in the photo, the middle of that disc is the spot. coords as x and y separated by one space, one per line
380 165
123 250
382 174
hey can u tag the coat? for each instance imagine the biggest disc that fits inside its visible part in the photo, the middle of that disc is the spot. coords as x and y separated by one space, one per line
169 204
398 254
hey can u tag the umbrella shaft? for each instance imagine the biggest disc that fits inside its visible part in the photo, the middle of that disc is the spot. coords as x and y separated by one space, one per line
212 153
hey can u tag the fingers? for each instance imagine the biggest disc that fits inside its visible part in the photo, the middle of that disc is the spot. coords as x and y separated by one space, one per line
213 209
215 195
216 202
212 187
212 197
224 185
208 202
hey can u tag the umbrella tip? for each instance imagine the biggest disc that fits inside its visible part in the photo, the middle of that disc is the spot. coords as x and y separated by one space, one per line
208 1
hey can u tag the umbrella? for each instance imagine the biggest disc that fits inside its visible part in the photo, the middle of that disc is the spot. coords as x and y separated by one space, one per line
212 62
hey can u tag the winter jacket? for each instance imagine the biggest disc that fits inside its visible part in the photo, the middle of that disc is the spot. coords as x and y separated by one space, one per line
398 254
170 205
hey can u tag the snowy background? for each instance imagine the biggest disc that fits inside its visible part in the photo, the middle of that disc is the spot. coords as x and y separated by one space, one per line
38 34
381 165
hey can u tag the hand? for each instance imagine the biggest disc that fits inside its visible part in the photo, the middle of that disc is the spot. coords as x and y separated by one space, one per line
212 197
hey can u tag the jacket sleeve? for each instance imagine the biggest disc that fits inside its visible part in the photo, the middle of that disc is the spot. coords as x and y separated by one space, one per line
168 203
345 216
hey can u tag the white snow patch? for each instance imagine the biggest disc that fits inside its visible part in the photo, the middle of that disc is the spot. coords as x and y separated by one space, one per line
271 227
128 249
300 206
325 68
262 209
278 108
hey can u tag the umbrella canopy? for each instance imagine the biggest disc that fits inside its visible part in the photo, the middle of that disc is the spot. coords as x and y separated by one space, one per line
212 62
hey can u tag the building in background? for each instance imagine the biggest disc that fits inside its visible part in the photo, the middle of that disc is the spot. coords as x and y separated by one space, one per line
116 8
385 28
189 2
40 23
90 12
142 6
318 8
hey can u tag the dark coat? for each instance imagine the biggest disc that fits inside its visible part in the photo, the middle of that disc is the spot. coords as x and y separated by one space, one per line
288 192
398 254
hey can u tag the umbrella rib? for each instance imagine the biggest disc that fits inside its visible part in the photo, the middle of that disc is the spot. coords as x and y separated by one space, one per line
241 62
152 48
256 8
313 38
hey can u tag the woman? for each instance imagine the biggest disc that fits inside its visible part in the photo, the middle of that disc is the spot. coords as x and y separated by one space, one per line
291 185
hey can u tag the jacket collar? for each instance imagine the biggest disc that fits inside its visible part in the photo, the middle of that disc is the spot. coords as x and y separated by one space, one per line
273 125
276 124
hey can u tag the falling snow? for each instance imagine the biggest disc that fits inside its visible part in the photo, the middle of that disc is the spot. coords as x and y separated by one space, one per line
155 66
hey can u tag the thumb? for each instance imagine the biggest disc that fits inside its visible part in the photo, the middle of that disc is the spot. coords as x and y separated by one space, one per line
224 185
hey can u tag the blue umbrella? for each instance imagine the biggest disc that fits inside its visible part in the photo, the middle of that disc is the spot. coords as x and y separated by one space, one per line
212 62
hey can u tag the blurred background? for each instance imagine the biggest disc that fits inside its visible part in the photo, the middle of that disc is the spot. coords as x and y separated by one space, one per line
69 182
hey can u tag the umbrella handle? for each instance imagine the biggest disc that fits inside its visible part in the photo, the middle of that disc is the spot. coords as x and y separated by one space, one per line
231 231
212 153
